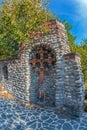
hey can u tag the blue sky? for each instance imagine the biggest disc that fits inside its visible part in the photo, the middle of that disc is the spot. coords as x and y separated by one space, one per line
75 12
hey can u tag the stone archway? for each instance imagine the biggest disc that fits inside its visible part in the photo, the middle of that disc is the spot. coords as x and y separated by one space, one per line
42 60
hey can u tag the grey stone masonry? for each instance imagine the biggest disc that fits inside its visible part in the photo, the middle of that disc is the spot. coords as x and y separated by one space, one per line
73 85
63 80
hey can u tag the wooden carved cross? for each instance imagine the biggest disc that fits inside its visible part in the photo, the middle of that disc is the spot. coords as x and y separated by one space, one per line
41 71
41 61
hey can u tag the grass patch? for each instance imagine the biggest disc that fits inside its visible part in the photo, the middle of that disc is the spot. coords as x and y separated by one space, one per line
86 85
85 101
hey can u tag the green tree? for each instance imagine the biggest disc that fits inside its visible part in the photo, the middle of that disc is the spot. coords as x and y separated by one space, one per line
83 53
18 19
71 37
81 49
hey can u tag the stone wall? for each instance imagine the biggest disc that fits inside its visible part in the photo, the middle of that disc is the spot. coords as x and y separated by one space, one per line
73 84
16 83
63 82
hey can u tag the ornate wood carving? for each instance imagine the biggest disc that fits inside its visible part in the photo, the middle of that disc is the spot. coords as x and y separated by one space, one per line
42 55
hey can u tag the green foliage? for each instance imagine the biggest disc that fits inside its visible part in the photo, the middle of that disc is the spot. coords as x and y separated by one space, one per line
81 49
71 37
83 52
18 18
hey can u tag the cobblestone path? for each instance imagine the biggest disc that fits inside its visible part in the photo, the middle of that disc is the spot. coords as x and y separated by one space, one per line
14 117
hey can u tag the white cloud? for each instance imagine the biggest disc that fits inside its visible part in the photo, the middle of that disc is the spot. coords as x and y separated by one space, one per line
82 1
82 8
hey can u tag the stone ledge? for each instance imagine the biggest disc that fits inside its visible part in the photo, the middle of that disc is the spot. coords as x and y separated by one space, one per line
71 56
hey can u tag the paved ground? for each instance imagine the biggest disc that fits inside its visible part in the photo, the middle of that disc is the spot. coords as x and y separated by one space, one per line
14 117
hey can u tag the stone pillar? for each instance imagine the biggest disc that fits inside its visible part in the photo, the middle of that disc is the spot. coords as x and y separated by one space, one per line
59 82
20 77
27 74
73 102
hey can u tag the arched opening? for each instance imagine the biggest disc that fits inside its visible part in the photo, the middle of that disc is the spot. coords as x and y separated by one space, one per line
42 60
42 57
5 72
